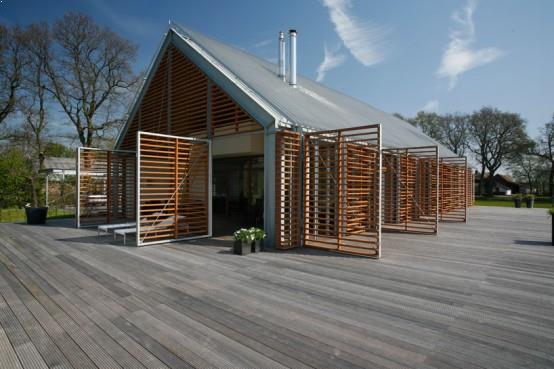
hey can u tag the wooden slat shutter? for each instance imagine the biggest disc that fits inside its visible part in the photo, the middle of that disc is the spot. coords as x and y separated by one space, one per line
453 189
173 187
288 164
106 186
410 187
342 173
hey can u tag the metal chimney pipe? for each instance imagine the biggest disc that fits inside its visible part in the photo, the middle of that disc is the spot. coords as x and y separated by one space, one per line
292 71
282 55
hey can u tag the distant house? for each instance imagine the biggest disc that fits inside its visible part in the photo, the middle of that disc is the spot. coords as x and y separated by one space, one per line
502 184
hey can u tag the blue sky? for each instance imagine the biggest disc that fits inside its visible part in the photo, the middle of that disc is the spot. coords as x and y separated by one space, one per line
398 55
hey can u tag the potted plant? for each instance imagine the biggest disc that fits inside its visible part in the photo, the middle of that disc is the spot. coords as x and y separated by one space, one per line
36 214
530 201
243 241
259 236
517 200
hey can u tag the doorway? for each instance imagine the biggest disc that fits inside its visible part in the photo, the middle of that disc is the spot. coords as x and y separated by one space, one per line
238 194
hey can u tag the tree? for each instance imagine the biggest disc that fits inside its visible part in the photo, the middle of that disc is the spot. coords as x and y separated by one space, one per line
13 177
451 130
430 123
455 132
89 74
527 168
545 150
33 104
11 69
496 138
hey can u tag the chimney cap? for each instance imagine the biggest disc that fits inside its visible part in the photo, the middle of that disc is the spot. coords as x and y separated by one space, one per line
292 31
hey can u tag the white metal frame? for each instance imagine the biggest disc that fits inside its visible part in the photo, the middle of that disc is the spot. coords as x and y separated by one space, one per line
209 142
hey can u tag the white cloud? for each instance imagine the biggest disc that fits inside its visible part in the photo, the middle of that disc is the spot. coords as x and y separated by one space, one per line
431 106
331 60
363 39
459 56
261 44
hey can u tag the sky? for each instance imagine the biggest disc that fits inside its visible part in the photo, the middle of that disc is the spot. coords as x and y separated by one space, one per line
397 55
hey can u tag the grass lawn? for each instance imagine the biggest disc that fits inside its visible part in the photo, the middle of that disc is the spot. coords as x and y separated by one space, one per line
11 215
510 203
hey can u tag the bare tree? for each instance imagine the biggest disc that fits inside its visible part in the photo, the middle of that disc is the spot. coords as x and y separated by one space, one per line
545 150
11 69
455 132
527 168
496 138
34 103
89 74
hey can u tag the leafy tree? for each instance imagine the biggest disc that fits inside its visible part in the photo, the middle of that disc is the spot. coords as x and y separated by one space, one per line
14 184
430 123
496 138
90 72
58 150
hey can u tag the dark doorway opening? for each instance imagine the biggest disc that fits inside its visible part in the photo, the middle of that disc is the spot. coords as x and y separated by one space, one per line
238 194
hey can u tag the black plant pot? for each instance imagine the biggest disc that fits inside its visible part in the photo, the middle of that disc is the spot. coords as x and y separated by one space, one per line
258 246
517 203
36 215
530 203
242 248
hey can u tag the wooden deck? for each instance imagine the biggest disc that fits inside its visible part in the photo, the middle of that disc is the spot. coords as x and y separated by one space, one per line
478 295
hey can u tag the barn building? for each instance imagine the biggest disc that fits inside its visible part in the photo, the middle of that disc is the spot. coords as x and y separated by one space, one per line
219 139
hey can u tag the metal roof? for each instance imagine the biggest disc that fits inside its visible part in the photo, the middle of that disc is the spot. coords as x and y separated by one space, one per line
310 104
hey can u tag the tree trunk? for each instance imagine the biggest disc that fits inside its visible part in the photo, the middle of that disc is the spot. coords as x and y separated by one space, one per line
482 180
490 183
551 182
34 191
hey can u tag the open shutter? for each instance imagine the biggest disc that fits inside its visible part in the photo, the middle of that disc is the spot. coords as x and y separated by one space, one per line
174 181
411 189
453 189
105 186
342 173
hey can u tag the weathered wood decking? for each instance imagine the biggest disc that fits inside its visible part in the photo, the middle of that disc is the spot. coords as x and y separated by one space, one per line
477 295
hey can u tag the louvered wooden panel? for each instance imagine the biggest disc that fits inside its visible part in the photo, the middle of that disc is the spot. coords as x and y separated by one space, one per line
288 171
470 187
174 188
410 189
227 116
453 189
106 186
176 102
189 97
342 173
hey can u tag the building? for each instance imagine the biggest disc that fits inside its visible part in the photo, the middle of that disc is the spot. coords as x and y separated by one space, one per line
222 139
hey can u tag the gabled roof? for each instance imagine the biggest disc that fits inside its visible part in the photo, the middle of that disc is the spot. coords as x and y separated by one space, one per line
310 105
